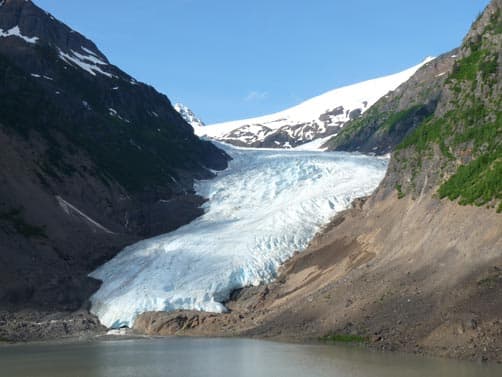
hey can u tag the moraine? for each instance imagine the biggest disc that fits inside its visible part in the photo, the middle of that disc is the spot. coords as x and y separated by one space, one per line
266 206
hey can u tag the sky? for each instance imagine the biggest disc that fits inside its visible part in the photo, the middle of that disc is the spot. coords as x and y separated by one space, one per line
234 59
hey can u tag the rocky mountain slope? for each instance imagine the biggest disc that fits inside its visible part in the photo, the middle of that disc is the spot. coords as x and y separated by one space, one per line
318 117
90 160
188 115
459 88
417 266
397 114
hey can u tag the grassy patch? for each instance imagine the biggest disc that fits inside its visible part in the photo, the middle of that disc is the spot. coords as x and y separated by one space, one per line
468 67
477 183
344 338
422 137
400 193
495 25
491 281
390 124
474 133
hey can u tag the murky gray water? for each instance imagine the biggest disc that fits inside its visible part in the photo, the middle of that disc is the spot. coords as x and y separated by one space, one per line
186 357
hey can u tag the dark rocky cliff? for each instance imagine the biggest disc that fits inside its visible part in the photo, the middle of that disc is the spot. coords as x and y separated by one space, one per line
90 160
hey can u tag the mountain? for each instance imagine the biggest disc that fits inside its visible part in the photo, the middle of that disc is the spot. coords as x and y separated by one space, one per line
189 116
90 160
445 125
417 266
315 118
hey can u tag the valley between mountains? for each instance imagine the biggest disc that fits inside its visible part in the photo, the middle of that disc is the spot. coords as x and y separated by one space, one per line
371 213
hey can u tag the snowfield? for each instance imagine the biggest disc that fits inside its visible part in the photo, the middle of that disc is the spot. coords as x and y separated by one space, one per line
319 116
264 207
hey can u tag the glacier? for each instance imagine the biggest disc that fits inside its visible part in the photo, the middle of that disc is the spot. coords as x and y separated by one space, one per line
264 207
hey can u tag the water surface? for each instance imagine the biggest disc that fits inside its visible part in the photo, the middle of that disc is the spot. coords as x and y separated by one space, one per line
189 357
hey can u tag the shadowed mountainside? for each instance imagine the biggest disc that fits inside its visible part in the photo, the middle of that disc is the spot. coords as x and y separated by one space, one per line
90 160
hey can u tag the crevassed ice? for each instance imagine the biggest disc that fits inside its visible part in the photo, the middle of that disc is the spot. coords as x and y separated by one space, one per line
264 207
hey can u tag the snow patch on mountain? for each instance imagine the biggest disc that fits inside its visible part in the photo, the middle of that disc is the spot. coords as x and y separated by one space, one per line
317 117
314 145
188 115
16 32
89 63
264 207
114 113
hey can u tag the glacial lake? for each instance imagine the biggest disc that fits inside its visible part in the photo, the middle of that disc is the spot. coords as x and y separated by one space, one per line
203 357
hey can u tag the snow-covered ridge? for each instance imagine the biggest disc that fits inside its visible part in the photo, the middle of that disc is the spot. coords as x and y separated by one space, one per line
264 207
317 117
16 32
188 115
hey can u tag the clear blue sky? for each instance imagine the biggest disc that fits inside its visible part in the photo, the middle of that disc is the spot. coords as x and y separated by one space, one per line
231 59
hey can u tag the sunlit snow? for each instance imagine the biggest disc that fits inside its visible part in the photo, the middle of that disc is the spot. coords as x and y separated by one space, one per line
16 32
264 207
89 63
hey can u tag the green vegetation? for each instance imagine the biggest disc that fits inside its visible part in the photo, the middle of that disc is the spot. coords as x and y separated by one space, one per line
422 136
344 338
357 127
469 136
390 124
495 25
15 219
477 183
465 133
491 281
379 126
400 193
480 61
468 67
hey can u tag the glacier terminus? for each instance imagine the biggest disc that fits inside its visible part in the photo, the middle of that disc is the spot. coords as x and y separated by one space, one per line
261 210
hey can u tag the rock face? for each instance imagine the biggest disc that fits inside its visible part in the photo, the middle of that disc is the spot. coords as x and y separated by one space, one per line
407 269
90 160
